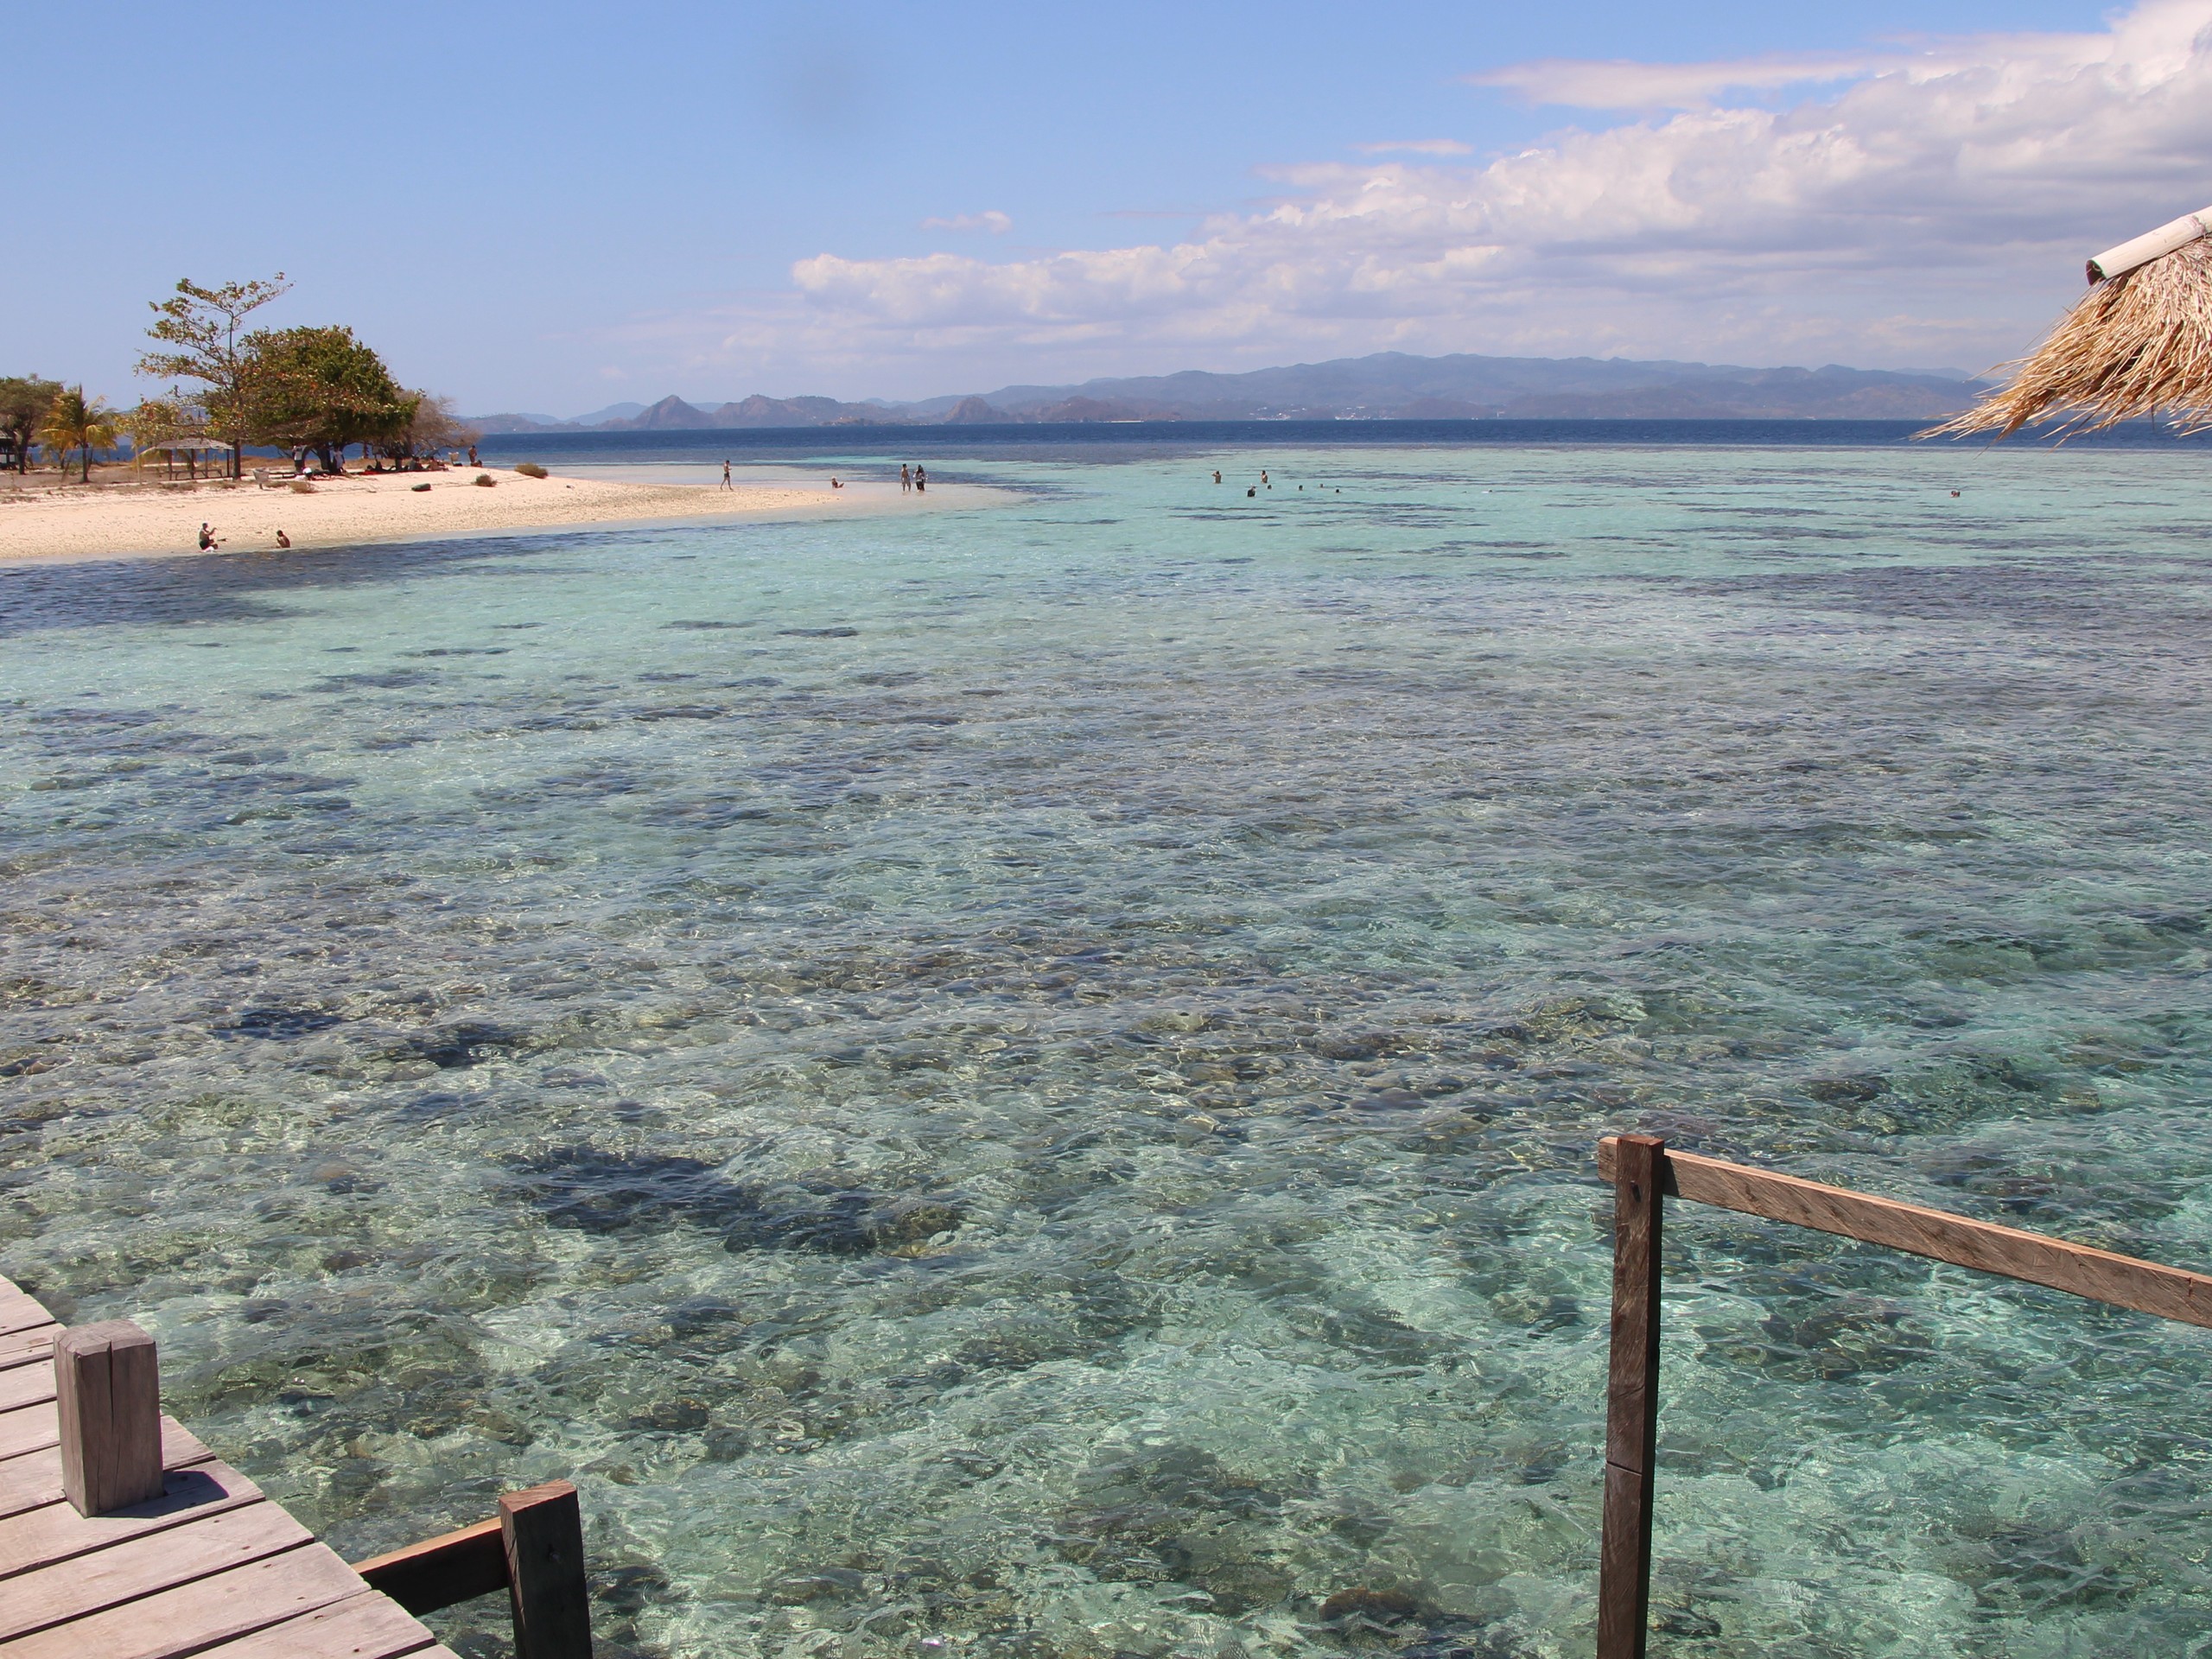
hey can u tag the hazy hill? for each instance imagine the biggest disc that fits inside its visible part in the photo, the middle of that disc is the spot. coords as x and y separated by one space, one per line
1390 385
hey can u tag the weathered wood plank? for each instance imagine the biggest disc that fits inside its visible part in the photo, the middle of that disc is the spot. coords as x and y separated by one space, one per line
1632 1400
28 1427
145 1566
2101 1275
25 1385
543 1530
441 1571
19 1310
364 1626
35 1477
56 1532
32 1347
190 1617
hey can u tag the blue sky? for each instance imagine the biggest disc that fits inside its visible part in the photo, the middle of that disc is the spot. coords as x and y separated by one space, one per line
555 207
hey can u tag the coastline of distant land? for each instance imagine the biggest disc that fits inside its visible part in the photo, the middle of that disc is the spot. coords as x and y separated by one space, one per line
1387 385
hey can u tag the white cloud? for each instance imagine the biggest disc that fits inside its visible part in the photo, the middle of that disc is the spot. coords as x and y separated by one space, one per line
991 220
1935 209
1419 147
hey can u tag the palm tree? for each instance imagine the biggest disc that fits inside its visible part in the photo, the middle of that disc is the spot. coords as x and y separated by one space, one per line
80 422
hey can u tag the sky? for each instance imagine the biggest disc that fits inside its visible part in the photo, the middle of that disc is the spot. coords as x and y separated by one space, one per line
553 207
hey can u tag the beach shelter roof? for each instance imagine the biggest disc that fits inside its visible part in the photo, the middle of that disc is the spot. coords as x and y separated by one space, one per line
2139 343
183 444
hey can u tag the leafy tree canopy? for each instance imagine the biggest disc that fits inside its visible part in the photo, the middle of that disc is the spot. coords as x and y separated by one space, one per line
197 329
24 401
76 421
323 388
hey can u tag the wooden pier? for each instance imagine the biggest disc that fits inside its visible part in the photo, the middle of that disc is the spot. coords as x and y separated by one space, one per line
207 1566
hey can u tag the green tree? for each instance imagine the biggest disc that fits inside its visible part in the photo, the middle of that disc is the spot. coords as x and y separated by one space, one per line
76 421
323 388
199 327
24 402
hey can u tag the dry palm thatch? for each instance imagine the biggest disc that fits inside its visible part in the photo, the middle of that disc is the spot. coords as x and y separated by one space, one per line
2138 344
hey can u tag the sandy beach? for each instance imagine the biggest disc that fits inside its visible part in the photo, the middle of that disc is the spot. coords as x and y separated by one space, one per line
46 524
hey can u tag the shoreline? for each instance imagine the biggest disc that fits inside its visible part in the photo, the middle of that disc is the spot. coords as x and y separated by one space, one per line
140 521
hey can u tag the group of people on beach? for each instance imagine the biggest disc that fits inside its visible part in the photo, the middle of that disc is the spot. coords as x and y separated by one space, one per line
911 477
209 541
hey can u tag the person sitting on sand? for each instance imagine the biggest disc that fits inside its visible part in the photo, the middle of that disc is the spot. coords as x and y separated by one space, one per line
207 542
834 485
283 540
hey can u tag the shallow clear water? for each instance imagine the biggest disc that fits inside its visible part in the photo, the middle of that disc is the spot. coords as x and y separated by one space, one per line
1023 1081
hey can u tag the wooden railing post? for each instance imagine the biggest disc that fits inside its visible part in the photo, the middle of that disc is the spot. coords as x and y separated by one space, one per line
107 1393
1632 1400
543 1530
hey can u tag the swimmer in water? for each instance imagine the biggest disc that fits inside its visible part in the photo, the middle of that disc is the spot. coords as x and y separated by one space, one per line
1217 474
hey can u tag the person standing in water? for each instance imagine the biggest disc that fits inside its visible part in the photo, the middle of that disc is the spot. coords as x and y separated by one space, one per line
921 480
905 479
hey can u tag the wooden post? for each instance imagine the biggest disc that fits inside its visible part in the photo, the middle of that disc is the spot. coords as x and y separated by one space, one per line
543 1530
1632 1400
107 1392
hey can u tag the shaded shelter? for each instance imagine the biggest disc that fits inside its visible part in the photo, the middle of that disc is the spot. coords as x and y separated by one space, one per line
2137 345
191 448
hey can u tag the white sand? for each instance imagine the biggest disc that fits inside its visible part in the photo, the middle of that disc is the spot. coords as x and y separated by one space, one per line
142 519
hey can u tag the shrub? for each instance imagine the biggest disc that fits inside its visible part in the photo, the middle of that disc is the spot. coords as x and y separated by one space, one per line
301 487
529 469
485 479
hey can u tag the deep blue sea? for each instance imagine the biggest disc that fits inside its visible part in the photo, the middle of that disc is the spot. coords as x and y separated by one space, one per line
1021 1080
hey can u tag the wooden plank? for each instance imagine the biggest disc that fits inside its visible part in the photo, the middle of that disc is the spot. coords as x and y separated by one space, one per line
19 1311
366 1626
28 1427
56 1532
145 1566
31 1347
2101 1275
35 1478
26 1385
439 1571
190 1617
543 1530
1632 1400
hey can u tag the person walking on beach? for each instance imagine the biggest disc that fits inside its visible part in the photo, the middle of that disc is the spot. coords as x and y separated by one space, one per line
905 479
726 483
921 480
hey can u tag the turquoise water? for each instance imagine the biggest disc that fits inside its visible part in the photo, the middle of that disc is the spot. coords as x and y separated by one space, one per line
1022 1081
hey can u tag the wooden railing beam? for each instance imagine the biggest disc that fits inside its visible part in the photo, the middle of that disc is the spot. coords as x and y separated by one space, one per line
2079 1269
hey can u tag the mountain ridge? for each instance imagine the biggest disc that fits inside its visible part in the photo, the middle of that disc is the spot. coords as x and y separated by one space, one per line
1383 385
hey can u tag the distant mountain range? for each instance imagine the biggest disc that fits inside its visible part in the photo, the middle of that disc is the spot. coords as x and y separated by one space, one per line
1390 385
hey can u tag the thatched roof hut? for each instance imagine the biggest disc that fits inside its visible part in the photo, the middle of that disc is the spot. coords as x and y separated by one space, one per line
2139 343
